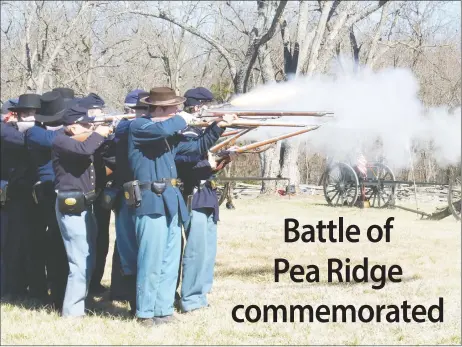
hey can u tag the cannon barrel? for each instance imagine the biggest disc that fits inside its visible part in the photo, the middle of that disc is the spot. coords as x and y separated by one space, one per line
372 182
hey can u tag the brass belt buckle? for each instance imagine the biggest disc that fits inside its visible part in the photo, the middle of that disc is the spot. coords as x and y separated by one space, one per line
173 182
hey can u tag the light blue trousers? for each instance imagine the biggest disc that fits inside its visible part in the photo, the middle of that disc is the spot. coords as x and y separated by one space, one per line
79 234
127 246
198 260
159 247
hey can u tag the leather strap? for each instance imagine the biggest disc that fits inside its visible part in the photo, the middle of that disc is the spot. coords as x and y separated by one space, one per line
174 182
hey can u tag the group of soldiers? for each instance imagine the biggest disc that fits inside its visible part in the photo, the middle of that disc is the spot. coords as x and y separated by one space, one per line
62 173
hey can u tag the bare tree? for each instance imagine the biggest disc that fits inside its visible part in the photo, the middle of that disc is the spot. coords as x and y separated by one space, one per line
230 46
269 14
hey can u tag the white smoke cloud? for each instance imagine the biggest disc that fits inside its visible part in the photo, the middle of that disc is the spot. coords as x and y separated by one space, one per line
367 106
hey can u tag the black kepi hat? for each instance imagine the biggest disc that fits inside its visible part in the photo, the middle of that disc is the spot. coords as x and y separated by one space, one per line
27 102
91 101
139 105
66 93
195 96
77 114
53 107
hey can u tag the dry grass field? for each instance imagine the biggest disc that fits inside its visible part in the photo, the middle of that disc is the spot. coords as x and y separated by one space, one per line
250 238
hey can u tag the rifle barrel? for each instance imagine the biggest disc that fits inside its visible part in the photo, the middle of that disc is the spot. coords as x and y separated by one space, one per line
110 118
266 124
274 139
229 141
252 178
230 133
375 182
245 124
280 113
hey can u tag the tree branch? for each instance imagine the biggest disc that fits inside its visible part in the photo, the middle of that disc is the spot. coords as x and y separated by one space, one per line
85 71
375 39
361 15
220 48
276 19
258 42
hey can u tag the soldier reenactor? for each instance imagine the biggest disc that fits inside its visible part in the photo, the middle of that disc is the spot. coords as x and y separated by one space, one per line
131 100
47 238
94 104
5 173
77 167
200 193
25 267
6 113
126 248
152 145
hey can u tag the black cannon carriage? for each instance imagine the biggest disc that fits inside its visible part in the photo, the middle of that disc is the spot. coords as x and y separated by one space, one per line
349 184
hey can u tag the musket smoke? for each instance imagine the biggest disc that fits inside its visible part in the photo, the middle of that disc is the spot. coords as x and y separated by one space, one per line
377 113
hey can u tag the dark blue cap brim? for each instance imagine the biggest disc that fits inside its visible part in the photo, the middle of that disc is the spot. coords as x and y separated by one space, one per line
192 102
77 114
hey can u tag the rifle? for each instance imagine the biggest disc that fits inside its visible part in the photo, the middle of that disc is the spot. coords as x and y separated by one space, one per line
262 113
106 119
257 145
230 141
229 133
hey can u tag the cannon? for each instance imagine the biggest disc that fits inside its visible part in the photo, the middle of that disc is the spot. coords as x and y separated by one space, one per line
454 196
343 183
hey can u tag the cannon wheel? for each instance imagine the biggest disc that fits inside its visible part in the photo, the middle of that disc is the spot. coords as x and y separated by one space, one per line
341 186
454 197
380 195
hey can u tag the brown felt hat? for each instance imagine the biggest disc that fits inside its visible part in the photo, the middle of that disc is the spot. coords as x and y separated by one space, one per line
162 96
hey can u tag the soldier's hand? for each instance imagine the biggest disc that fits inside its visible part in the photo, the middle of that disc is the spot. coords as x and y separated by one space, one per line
227 119
212 160
233 153
11 118
115 121
188 118
103 130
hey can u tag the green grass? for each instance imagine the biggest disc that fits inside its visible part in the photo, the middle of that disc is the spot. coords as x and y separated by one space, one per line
250 237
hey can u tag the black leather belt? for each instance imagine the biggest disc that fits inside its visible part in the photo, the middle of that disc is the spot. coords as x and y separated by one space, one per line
174 182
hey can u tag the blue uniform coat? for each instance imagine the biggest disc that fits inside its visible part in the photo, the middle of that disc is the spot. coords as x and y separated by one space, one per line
123 174
73 163
152 147
15 161
192 169
39 142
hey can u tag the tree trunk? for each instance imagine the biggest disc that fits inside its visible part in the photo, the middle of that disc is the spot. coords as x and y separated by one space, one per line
355 49
315 46
375 39
303 39
289 167
270 167
266 65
